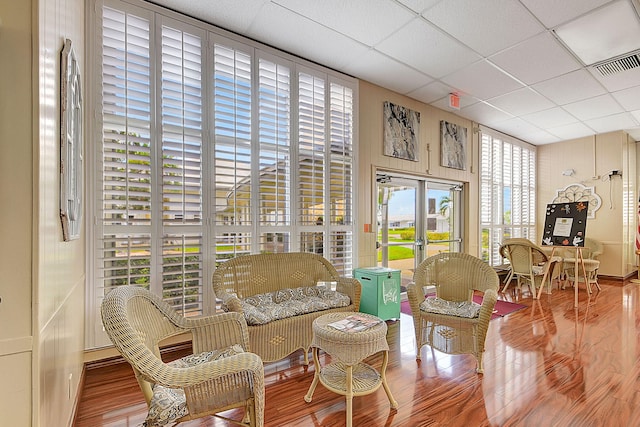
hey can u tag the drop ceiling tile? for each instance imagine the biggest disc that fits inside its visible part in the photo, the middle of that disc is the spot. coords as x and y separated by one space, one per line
418 6
550 118
223 13
516 127
485 114
571 131
429 51
482 80
536 59
376 19
521 101
280 27
443 103
628 98
570 87
612 123
485 26
600 106
636 115
437 90
378 69
554 12
540 137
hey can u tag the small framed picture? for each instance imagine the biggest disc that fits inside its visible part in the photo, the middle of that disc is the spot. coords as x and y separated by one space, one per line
453 146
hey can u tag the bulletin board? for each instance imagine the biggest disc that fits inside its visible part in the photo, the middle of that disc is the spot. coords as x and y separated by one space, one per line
565 224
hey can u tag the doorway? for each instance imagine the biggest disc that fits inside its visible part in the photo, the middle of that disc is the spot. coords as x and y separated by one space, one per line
416 218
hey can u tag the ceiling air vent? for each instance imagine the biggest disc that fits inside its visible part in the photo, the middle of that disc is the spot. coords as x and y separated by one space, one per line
619 64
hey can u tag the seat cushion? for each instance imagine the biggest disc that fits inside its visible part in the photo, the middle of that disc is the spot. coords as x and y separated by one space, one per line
169 404
468 309
261 309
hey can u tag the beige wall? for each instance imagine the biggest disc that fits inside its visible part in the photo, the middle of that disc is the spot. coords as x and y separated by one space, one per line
370 157
42 287
16 170
593 158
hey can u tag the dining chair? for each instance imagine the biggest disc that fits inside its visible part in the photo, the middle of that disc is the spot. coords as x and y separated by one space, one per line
530 264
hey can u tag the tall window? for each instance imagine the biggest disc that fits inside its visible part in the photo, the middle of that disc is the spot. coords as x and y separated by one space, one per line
205 148
507 192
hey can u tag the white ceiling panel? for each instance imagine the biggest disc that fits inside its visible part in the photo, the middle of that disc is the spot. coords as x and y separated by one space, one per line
376 68
377 19
522 101
482 80
612 123
483 113
536 59
571 131
501 52
600 106
628 98
553 117
427 43
437 90
571 87
553 12
473 22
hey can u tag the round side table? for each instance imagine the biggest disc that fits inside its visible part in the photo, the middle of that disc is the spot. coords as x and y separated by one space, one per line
347 374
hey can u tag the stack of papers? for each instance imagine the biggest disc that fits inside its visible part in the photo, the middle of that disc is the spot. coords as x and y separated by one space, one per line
355 323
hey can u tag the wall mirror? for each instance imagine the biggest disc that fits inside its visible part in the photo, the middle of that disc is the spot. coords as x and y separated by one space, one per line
71 169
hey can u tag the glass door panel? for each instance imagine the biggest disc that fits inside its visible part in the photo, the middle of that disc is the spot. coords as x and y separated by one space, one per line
416 218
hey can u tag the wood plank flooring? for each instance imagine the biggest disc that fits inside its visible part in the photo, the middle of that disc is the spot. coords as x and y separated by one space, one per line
548 364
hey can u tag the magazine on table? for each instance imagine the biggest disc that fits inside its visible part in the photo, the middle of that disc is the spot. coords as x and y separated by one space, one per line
355 323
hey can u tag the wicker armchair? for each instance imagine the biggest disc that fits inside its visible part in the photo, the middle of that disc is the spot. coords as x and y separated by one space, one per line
530 264
455 277
220 376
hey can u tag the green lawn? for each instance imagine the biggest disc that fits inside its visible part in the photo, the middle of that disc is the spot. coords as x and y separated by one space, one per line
397 252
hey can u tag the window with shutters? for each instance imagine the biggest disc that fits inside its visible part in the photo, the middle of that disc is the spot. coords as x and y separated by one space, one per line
507 192
206 148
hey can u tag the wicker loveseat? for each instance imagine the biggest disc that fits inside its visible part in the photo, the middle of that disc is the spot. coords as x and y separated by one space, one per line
280 298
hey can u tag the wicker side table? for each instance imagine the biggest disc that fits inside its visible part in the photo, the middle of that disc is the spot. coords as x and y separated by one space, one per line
347 374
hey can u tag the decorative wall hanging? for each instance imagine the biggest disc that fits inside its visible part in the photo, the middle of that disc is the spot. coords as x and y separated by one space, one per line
565 224
453 146
579 193
70 144
401 130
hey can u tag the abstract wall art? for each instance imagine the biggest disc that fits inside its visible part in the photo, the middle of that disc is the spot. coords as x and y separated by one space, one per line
401 130
453 146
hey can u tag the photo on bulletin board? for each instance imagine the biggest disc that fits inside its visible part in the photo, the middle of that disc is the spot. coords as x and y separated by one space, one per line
565 224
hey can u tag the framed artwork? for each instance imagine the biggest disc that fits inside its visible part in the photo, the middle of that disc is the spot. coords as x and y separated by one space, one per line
453 146
579 193
70 144
565 224
401 129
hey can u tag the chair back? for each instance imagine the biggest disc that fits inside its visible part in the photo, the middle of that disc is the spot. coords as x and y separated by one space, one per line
456 275
136 321
592 248
523 254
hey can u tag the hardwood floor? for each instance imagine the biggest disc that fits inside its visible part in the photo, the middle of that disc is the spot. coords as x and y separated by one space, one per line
548 364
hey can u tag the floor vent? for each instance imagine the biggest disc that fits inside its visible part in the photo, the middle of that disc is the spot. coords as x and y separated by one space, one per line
619 64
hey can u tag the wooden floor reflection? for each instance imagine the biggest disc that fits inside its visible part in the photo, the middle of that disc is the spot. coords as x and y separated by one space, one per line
548 364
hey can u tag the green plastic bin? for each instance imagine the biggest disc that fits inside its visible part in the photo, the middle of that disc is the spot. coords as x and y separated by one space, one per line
380 291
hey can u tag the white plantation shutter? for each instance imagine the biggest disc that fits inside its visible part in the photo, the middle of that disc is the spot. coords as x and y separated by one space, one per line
311 149
507 192
208 148
275 143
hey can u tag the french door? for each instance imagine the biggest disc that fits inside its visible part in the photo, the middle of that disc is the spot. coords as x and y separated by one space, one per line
416 218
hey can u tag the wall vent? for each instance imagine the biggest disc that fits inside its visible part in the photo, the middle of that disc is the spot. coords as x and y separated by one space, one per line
613 66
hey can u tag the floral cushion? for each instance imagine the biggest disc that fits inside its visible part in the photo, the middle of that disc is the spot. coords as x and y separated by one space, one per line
169 404
261 309
468 309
